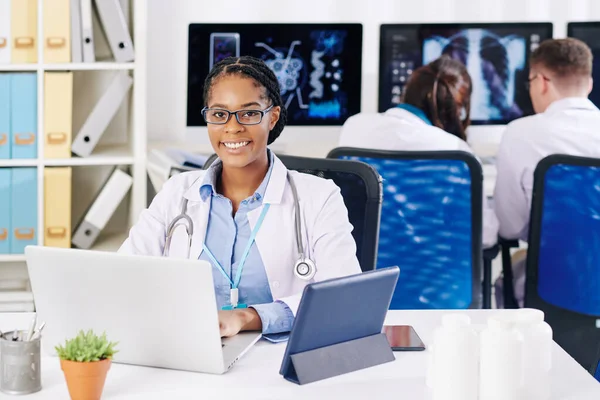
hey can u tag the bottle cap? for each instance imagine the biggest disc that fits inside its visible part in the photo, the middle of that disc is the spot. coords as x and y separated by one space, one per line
456 320
529 316
500 322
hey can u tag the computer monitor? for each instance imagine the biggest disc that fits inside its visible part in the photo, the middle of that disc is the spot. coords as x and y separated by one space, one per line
318 66
496 56
589 32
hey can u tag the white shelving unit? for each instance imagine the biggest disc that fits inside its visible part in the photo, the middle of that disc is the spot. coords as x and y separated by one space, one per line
19 163
12 257
97 66
128 151
103 155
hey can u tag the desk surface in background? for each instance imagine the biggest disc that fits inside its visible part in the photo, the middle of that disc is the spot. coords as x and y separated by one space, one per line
256 374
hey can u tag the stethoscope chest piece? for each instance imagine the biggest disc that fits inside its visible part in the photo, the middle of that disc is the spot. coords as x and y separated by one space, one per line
305 269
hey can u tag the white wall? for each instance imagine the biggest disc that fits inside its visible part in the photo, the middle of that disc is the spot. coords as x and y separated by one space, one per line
167 46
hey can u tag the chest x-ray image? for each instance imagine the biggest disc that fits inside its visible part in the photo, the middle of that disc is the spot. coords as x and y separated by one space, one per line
589 32
496 56
492 61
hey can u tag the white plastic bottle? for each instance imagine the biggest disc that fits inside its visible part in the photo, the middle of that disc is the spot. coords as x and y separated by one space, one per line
501 360
455 362
430 364
537 353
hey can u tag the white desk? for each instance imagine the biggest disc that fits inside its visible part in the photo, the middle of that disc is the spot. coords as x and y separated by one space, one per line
256 376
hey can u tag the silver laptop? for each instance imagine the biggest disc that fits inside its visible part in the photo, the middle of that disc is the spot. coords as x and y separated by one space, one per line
162 311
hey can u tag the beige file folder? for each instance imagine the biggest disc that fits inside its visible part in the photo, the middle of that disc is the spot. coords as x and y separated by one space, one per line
5 42
57 31
58 114
24 31
57 207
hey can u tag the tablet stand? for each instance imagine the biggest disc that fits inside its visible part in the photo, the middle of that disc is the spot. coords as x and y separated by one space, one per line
337 359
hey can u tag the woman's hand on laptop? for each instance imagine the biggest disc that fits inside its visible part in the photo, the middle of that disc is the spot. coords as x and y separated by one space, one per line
232 322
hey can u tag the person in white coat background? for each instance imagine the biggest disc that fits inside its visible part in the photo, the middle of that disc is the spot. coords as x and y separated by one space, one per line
566 122
242 209
433 116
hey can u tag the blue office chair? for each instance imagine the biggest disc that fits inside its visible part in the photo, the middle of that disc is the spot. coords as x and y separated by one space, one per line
563 256
361 188
430 225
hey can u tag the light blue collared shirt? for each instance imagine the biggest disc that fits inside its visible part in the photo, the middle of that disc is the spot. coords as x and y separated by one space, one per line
226 237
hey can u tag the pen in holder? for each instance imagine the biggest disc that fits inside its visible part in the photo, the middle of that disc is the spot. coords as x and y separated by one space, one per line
20 364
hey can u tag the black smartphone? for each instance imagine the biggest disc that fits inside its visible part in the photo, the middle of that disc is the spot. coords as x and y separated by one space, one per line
403 338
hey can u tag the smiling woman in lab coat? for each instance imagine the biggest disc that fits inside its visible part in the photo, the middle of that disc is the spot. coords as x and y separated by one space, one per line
434 116
248 194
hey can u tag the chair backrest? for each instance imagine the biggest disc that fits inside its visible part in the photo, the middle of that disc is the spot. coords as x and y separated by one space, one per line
563 256
430 225
361 188
211 159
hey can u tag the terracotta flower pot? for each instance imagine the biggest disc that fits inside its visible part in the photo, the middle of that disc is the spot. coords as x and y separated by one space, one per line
85 380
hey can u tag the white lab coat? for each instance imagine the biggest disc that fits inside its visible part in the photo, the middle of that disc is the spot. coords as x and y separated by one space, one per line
400 130
326 231
569 126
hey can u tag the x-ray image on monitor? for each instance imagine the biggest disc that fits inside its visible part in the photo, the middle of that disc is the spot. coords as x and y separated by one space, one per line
589 32
318 66
492 62
496 56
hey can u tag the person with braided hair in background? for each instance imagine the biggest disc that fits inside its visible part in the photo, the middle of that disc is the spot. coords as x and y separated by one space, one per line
434 116
267 232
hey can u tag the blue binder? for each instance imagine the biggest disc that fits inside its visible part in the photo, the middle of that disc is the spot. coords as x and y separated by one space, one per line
23 121
5 116
24 209
5 193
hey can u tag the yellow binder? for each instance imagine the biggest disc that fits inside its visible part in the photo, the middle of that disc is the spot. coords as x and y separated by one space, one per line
57 206
24 31
58 114
57 31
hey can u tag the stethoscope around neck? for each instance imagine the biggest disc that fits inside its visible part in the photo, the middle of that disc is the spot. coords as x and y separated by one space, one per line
304 268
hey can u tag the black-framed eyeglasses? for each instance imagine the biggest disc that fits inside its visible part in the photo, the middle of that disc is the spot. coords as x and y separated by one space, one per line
220 116
534 77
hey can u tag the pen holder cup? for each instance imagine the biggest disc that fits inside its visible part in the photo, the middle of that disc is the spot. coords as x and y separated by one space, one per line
20 365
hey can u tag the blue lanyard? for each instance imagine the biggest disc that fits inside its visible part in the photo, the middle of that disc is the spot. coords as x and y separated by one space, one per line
238 276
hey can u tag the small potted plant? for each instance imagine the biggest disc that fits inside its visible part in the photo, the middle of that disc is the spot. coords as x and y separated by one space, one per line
85 361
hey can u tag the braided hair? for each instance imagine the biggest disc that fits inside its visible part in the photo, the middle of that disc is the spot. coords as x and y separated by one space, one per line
259 71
